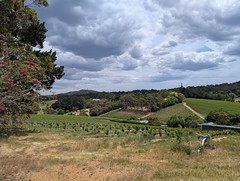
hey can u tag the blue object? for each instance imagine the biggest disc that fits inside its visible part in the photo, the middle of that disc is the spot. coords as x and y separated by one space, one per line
206 136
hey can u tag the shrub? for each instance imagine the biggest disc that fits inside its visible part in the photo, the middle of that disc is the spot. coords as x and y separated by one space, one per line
176 121
235 119
192 121
61 111
182 148
219 117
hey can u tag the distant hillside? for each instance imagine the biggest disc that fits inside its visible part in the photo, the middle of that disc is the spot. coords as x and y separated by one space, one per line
80 92
224 91
204 106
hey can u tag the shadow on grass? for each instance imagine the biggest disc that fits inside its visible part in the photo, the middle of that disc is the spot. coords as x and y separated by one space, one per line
6 132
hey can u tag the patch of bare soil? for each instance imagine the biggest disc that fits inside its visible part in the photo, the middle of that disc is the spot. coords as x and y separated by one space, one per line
219 139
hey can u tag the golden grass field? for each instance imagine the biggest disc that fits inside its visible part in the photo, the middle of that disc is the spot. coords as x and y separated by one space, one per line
63 157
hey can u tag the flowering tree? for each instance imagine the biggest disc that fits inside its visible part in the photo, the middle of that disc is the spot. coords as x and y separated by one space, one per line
20 75
23 71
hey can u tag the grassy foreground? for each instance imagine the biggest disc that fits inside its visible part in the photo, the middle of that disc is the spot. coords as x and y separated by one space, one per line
72 151
53 157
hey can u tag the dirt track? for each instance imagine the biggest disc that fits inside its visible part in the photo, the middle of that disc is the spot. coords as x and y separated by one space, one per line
193 111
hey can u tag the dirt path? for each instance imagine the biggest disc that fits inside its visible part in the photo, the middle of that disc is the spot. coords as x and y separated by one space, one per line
149 114
193 111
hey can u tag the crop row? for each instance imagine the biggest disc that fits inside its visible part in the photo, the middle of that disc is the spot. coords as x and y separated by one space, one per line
104 129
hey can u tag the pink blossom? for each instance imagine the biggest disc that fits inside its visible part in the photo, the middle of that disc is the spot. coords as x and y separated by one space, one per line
7 120
21 122
2 108
35 81
15 61
28 116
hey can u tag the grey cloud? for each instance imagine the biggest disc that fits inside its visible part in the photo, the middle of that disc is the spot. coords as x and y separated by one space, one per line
165 77
169 44
233 50
126 62
136 52
70 60
159 52
76 74
168 3
193 61
101 29
195 19
123 42
194 66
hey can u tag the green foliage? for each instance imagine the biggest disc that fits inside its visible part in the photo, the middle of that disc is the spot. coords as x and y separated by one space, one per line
20 75
219 117
189 121
176 121
69 103
216 92
20 21
61 111
49 110
235 119
171 100
223 117
52 71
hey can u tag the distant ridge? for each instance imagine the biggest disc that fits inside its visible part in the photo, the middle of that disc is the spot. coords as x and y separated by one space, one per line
80 92
232 87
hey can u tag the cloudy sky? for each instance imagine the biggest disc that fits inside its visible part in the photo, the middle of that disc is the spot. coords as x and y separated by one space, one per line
112 45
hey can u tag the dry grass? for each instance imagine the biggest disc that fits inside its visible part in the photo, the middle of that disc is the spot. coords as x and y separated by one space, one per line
53 157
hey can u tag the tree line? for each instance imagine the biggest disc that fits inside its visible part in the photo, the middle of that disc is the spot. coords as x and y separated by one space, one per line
225 91
102 102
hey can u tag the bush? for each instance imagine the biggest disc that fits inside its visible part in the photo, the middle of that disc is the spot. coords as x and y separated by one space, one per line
219 117
61 111
176 121
235 119
49 111
182 148
192 121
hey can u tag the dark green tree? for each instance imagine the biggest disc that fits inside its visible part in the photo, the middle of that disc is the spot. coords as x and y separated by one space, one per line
19 20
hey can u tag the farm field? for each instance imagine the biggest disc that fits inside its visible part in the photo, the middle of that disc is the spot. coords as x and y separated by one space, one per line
124 114
163 115
86 148
204 106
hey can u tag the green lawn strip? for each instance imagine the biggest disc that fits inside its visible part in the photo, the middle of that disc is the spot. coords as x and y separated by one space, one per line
124 114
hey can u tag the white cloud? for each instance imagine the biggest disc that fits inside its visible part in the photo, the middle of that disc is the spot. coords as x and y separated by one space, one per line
123 45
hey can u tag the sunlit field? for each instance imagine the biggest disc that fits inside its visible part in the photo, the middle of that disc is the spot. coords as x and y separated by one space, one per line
86 148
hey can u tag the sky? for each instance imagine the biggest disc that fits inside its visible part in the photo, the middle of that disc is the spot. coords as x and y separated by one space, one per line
123 45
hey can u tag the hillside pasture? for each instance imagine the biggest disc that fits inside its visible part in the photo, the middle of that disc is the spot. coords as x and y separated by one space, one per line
204 106
175 110
124 114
